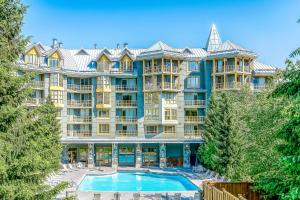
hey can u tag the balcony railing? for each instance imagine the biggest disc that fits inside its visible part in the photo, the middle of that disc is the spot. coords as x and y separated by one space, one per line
122 133
228 85
126 88
152 118
126 103
160 86
195 103
36 84
79 119
80 88
121 69
194 119
169 133
35 101
192 134
125 119
80 103
79 133
229 68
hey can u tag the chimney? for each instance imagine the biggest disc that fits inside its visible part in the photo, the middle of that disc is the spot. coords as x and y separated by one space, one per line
60 45
125 44
54 43
118 45
95 46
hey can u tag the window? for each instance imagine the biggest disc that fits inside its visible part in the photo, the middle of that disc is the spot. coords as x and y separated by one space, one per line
56 80
151 129
103 66
103 82
220 65
103 128
151 114
53 62
126 65
151 98
193 82
103 98
170 129
170 114
93 64
31 59
193 67
57 96
170 98
103 113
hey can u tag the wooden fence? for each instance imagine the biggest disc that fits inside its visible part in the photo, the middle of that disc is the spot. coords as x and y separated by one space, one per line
228 191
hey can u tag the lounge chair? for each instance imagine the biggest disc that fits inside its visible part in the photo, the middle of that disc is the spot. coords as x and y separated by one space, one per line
64 168
79 165
97 196
136 196
157 196
71 167
117 196
177 196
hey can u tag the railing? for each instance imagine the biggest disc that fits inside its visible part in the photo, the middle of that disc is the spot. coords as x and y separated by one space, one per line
122 133
169 133
192 134
80 133
151 118
126 87
80 88
103 133
36 84
81 103
198 119
122 69
160 69
228 85
124 119
194 103
126 103
229 68
103 86
79 118
35 101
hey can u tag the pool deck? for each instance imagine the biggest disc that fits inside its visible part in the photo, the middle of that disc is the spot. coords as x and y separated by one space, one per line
75 176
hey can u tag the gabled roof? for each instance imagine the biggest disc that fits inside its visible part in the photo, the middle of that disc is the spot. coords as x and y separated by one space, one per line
160 46
52 51
214 40
230 46
127 52
105 52
187 50
38 47
261 68
82 52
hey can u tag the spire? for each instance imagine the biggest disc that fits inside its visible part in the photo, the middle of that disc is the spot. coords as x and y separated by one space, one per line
214 40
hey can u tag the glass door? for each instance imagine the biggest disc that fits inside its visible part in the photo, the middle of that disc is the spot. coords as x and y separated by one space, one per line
103 156
127 156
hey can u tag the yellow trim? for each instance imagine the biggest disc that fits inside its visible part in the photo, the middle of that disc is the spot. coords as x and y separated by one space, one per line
98 106
103 58
56 88
32 51
103 90
126 58
58 105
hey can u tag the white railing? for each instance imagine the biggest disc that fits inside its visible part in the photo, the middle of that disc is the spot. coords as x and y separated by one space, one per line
125 119
192 133
79 103
126 103
80 88
36 84
35 101
122 133
194 103
196 119
126 87
79 133
79 118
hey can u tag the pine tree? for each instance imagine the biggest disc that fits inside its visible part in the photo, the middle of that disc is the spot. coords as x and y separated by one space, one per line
29 138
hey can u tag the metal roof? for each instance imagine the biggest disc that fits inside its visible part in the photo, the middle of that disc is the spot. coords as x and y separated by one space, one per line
214 40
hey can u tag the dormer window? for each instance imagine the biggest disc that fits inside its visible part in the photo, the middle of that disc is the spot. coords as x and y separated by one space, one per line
53 62
31 59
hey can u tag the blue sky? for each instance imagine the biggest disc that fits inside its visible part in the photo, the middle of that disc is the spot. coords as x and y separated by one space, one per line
267 27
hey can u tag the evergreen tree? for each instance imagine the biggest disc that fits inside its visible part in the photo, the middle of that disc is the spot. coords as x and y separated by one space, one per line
29 139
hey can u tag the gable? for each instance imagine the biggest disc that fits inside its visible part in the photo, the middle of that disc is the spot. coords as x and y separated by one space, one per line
32 51
103 58
55 54
126 58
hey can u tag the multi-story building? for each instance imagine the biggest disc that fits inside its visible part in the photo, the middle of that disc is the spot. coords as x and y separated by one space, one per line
137 107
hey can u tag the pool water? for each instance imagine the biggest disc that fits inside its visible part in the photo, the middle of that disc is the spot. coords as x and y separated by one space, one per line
137 181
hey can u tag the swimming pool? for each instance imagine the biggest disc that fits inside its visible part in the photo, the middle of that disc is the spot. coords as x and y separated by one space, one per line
137 181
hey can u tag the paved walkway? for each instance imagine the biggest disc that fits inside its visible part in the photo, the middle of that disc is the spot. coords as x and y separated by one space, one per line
75 177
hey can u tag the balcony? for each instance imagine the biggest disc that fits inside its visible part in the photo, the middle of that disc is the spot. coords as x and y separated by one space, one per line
79 88
37 84
122 69
195 103
79 133
79 103
103 88
229 68
123 133
126 120
161 69
169 133
126 88
80 119
160 86
192 134
194 119
228 85
35 101
126 103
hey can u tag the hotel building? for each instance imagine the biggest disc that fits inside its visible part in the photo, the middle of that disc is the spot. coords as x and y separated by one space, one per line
137 107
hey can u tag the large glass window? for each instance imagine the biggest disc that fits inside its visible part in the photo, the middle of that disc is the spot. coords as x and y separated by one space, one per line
103 98
193 66
103 128
56 80
31 59
193 82
103 82
53 62
57 96
170 129
170 98
170 114
151 98
151 114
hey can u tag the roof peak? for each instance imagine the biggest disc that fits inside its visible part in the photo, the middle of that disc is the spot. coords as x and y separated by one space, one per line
214 40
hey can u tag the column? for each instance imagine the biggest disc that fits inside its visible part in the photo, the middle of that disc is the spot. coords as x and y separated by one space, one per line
186 155
114 155
138 155
91 156
65 155
162 155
